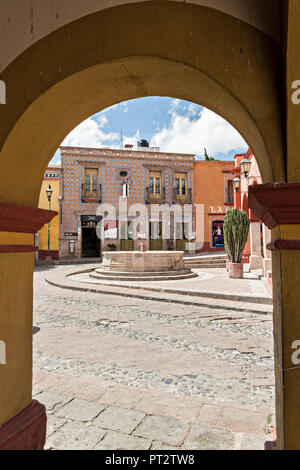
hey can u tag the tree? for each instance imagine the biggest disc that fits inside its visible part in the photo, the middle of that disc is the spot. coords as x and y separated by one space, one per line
206 157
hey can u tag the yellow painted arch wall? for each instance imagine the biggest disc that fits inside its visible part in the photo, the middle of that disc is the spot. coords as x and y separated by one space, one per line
94 62
151 48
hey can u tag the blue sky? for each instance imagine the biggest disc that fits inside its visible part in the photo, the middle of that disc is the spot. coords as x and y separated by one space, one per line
173 125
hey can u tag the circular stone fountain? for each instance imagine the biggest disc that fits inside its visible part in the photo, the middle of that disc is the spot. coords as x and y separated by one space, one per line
142 266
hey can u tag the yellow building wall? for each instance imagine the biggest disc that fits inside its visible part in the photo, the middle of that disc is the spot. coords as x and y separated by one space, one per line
54 225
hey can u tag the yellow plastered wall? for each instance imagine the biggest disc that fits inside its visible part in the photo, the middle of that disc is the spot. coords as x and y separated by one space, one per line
54 225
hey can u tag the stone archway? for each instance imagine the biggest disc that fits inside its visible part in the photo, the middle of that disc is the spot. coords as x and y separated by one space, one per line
208 57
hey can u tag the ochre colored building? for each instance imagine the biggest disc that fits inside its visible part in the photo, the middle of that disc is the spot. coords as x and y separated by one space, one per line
52 178
213 189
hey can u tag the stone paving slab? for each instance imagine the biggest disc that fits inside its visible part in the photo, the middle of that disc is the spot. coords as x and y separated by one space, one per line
169 405
209 415
159 446
52 400
166 430
243 421
250 442
204 438
192 287
80 410
60 277
122 396
118 441
119 419
207 281
54 423
75 436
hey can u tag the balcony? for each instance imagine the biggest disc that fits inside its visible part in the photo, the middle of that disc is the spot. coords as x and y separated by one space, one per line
182 198
91 192
158 198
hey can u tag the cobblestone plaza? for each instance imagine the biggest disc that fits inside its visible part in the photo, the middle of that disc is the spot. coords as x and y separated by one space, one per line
119 372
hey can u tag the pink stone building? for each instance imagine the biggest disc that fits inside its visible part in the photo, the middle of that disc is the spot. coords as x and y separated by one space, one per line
104 176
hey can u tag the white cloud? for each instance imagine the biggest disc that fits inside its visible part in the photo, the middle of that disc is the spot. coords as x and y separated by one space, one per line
209 131
102 120
175 103
90 134
132 140
193 110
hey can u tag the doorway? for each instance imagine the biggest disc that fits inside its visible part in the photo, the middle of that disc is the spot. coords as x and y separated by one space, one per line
155 243
127 241
91 245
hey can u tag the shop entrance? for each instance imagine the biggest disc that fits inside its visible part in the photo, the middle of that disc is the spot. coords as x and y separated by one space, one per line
91 244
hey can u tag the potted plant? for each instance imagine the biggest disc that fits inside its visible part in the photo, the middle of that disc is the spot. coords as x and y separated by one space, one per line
112 246
236 229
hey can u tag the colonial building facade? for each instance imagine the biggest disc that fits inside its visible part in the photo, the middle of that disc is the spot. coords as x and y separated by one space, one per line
45 239
256 252
90 177
214 191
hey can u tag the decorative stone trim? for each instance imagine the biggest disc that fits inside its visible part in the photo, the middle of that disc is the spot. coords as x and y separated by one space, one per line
26 430
18 248
275 204
25 219
119 153
284 245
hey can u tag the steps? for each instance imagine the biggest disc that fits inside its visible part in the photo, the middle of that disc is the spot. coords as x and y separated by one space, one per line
206 262
71 261
142 276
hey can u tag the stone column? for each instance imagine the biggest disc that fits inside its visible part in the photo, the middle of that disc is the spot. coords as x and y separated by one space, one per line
278 206
255 244
267 260
22 420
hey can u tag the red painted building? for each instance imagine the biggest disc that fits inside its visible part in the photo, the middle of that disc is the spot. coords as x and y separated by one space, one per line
255 252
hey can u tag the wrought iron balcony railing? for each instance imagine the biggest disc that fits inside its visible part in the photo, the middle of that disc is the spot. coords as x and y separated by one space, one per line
91 191
152 197
183 198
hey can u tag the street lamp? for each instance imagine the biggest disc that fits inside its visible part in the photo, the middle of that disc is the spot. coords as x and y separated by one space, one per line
49 192
245 167
236 183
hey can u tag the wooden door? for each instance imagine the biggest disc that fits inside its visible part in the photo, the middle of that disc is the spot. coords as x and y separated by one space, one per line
91 182
181 186
155 189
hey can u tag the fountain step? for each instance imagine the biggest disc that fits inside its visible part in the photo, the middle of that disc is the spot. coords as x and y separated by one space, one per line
204 261
204 258
207 265
142 273
212 263
146 276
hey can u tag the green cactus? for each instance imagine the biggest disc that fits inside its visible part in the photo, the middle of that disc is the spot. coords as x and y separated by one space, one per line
236 229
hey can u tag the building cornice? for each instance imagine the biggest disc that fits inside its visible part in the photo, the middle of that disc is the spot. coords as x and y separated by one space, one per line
24 219
275 204
135 154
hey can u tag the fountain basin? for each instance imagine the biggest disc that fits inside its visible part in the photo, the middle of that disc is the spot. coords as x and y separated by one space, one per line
142 266
138 261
